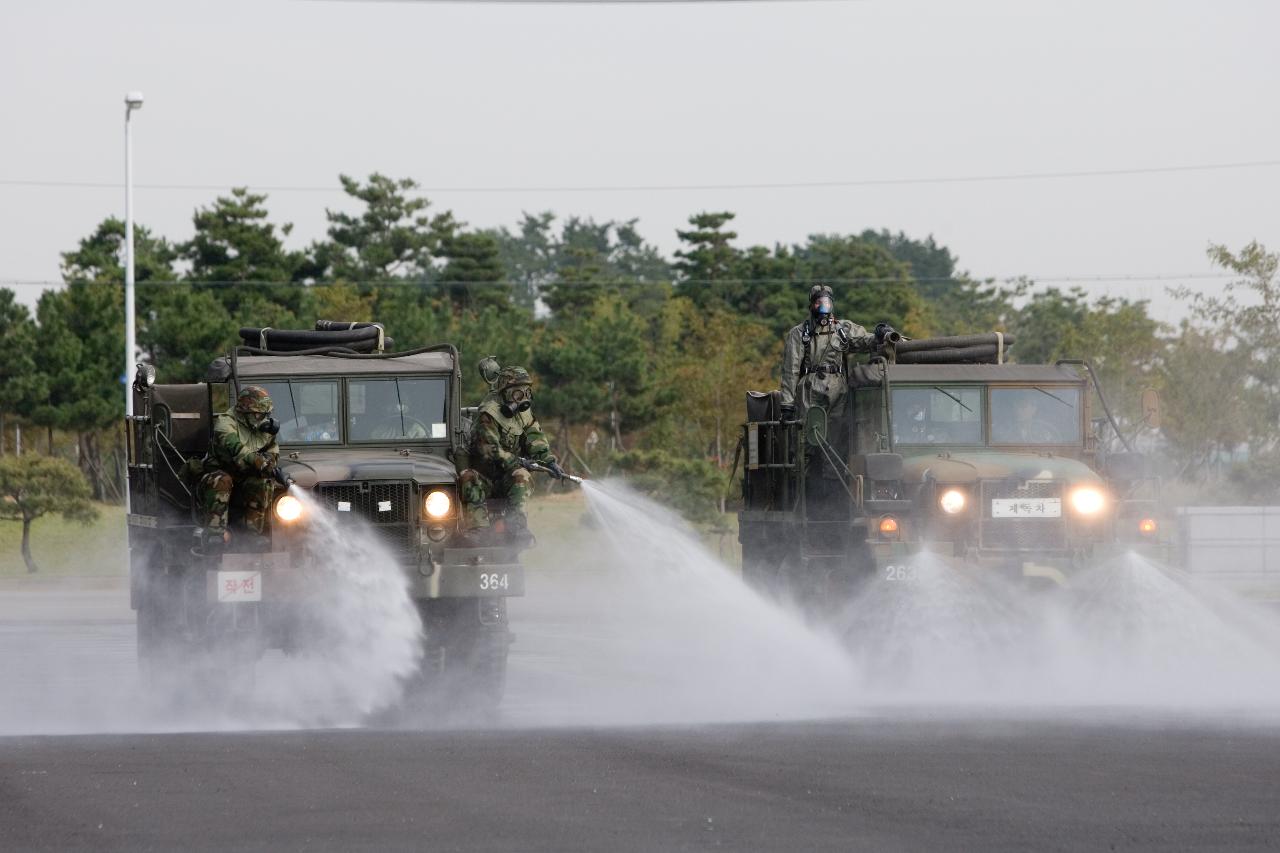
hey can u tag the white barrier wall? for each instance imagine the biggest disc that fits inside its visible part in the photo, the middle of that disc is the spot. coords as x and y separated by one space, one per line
1236 544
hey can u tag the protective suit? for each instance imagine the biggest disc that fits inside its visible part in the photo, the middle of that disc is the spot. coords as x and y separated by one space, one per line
813 358
237 469
504 432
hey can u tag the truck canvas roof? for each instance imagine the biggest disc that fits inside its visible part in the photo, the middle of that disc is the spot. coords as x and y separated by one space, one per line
865 375
259 366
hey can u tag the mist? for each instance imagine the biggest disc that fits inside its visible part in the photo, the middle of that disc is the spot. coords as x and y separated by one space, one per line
630 620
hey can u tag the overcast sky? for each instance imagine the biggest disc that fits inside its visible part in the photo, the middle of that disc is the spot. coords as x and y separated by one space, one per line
292 92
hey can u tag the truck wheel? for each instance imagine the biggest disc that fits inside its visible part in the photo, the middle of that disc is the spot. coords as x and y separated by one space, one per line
158 631
464 662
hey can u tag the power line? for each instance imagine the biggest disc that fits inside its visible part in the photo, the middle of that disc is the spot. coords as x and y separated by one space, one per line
621 188
591 2
1091 278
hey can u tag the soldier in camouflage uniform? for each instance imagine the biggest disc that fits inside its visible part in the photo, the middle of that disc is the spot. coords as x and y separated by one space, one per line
505 432
237 471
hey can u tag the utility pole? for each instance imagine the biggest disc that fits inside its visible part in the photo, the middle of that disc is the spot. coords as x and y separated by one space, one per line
132 101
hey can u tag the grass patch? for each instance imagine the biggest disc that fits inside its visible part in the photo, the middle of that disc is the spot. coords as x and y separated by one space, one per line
66 548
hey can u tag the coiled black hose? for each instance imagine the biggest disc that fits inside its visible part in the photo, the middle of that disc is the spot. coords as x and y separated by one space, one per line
951 355
366 339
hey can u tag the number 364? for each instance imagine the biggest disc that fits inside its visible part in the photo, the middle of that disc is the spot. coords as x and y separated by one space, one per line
494 580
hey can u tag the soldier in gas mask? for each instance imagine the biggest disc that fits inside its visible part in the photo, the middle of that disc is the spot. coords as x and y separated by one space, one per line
813 376
238 469
813 357
504 436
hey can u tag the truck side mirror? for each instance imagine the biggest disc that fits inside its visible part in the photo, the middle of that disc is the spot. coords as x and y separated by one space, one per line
145 377
1151 408
883 466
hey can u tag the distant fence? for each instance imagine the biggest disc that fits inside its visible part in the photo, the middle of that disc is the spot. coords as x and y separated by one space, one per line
1238 545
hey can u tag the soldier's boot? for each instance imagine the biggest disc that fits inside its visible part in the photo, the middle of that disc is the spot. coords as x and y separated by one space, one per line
476 532
475 537
210 542
517 526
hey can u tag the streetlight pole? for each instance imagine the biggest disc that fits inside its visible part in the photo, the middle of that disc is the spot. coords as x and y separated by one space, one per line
132 101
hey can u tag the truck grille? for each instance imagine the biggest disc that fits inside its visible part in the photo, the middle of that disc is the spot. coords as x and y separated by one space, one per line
390 509
1022 534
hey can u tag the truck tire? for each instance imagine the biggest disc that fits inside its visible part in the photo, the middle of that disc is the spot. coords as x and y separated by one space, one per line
465 648
158 629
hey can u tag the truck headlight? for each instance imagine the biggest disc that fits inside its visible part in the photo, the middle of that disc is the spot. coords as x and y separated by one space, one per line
288 509
437 504
952 501
1087 500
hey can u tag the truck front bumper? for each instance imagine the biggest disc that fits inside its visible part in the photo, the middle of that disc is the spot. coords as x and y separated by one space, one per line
454 573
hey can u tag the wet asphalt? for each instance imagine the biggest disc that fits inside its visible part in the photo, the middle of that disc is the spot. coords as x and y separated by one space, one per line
965 779
840 785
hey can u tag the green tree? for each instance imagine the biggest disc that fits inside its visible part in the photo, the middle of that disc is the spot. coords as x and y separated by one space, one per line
1245 319
99 257
959 304
870 285
33 486
1201 425
596 368
78 353
712 357
505 331
392 237
573 267
21 384
162 330
473 274
185 329
708 262
238 255
528 258
1124 344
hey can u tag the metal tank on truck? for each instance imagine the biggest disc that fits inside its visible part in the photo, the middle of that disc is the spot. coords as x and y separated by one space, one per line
375 438
941 445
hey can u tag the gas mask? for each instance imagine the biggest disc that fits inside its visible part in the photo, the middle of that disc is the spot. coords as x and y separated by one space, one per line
261 421
516 399
823 309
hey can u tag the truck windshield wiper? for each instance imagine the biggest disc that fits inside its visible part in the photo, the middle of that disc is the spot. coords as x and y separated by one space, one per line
1055 396
954 397
400 406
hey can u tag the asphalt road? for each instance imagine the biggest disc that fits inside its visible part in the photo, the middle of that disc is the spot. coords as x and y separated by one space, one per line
566 768
844 785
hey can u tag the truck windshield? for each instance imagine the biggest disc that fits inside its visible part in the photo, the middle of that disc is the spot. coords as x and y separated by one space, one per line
937 415
396 409
307 410
1035 415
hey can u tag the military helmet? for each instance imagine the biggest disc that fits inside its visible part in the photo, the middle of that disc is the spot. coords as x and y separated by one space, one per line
253 399
511 376
819 290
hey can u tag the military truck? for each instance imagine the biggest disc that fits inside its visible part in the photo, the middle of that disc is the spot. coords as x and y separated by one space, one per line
377 438
942 444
